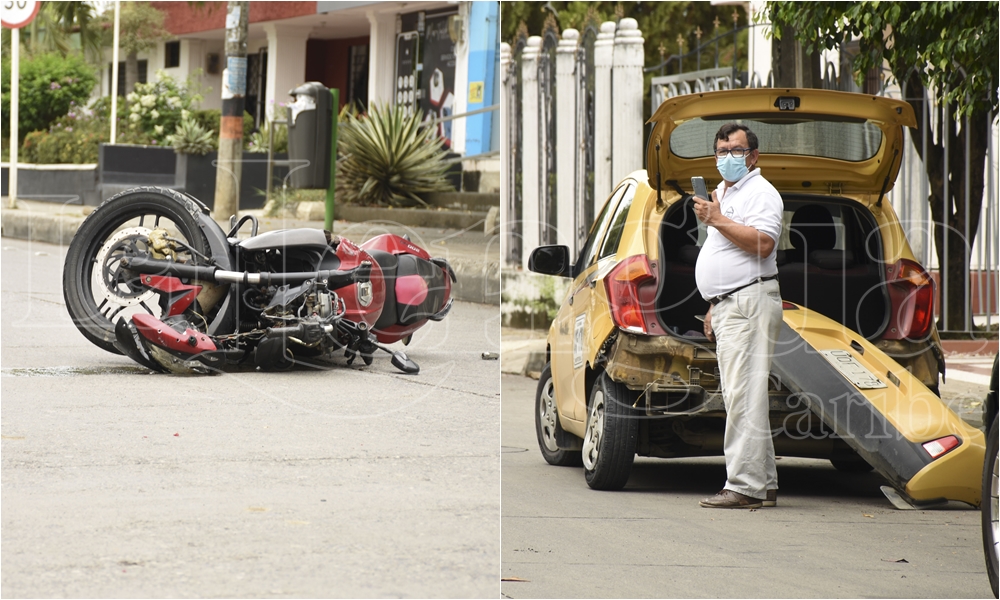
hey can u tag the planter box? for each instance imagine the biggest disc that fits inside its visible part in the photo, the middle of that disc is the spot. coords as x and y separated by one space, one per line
126 166
196 176
66 184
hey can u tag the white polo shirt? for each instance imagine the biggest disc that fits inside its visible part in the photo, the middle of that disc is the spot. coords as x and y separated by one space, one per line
722 266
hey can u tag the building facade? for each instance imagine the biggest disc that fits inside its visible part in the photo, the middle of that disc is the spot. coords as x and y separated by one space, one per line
441 57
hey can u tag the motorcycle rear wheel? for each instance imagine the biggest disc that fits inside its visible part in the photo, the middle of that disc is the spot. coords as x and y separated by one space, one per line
98 292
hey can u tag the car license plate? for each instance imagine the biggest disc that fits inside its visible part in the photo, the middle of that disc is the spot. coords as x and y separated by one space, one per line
854 371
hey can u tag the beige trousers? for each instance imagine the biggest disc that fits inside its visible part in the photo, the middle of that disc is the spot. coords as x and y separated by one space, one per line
746 327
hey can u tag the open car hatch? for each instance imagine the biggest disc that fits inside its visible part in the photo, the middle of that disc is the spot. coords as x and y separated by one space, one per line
810 140
884 413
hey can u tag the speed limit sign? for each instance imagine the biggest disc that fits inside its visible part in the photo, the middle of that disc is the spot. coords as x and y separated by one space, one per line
18 13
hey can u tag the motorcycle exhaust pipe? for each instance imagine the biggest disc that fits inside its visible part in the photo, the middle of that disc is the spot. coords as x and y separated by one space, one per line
331 279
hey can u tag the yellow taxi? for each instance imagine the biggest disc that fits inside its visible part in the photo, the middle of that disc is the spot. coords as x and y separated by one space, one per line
855 373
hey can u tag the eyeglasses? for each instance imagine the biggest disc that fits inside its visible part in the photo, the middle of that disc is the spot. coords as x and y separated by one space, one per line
736 152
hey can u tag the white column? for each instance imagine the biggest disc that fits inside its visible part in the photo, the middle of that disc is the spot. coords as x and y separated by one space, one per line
530 155
627 102
506 155
382 58
604 53
566 140
286 61
461 80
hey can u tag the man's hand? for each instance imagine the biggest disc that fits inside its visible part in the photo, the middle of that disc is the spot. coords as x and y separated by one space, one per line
709 332
707 212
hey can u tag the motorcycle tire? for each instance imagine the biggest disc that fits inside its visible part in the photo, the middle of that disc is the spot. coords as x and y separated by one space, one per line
93 304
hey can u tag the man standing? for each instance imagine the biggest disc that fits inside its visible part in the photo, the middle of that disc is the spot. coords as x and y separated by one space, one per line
738 274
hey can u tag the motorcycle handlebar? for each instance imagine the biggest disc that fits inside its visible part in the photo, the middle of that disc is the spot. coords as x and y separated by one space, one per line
331 279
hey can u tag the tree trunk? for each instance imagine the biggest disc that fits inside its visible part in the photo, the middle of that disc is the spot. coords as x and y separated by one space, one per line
948 211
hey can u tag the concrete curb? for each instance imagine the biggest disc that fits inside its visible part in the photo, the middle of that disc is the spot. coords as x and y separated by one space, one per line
39 227
984 347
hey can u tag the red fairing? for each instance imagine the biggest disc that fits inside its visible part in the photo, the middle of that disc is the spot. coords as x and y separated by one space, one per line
163 335
351 256
394 244
181 295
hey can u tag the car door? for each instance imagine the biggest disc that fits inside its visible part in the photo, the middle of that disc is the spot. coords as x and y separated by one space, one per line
574 321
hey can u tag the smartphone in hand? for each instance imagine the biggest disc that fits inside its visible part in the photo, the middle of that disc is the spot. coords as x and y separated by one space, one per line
698 184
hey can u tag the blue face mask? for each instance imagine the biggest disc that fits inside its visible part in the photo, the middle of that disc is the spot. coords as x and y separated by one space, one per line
731 168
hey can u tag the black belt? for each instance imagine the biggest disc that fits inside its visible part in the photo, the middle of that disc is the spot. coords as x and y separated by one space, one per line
717 299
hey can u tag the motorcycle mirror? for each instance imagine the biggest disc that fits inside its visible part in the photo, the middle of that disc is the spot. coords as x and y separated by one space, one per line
404 364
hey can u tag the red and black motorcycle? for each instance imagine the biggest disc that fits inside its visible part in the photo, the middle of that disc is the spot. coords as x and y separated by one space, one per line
151 275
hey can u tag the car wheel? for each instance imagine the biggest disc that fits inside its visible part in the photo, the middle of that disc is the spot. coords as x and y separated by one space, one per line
610 439
547 426
851 465
991 532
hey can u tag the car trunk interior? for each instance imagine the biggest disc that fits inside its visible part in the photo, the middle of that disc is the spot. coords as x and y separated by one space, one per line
829 260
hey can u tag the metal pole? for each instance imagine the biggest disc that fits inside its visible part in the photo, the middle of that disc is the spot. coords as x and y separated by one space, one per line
270 163
968 247
114 74
987 240
330 191
946 125
15 57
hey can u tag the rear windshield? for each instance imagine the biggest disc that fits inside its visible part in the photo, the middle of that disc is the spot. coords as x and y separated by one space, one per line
852 140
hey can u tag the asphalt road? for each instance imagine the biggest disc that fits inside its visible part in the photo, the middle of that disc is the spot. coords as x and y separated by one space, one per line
832 535
349 482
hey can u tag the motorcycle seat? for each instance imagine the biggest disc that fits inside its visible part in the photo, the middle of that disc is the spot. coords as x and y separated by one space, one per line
388 263
286 238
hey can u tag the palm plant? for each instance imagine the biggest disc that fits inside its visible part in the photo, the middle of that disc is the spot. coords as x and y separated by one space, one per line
191 138
389 157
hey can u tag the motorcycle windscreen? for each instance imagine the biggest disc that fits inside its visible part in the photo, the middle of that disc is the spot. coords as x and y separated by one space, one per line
884 413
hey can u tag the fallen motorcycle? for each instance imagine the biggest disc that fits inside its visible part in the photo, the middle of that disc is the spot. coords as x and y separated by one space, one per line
151 275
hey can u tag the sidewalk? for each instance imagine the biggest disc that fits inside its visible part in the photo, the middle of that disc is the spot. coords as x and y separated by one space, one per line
474 256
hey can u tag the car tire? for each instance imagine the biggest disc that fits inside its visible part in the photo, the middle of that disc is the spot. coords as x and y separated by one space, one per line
610 439
991 470
851 465
547 428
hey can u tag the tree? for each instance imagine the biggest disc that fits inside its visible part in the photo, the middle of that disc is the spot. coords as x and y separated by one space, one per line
141 29
62 27
940 52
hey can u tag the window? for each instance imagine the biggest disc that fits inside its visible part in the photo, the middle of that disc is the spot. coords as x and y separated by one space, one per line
824 136
121 76
589 251
610 246
171 55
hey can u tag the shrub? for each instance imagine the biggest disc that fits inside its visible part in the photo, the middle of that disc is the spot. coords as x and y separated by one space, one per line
49 84
157 108
388 158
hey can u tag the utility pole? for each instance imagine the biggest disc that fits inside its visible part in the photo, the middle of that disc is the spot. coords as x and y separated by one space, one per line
234 84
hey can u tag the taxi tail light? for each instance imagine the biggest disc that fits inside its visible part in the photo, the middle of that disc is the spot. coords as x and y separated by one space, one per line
631 288
911 291
941 446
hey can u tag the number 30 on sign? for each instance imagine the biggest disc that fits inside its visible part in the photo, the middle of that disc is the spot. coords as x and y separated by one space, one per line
18 13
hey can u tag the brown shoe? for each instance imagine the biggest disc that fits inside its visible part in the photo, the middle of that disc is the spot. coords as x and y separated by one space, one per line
772 498
730 499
